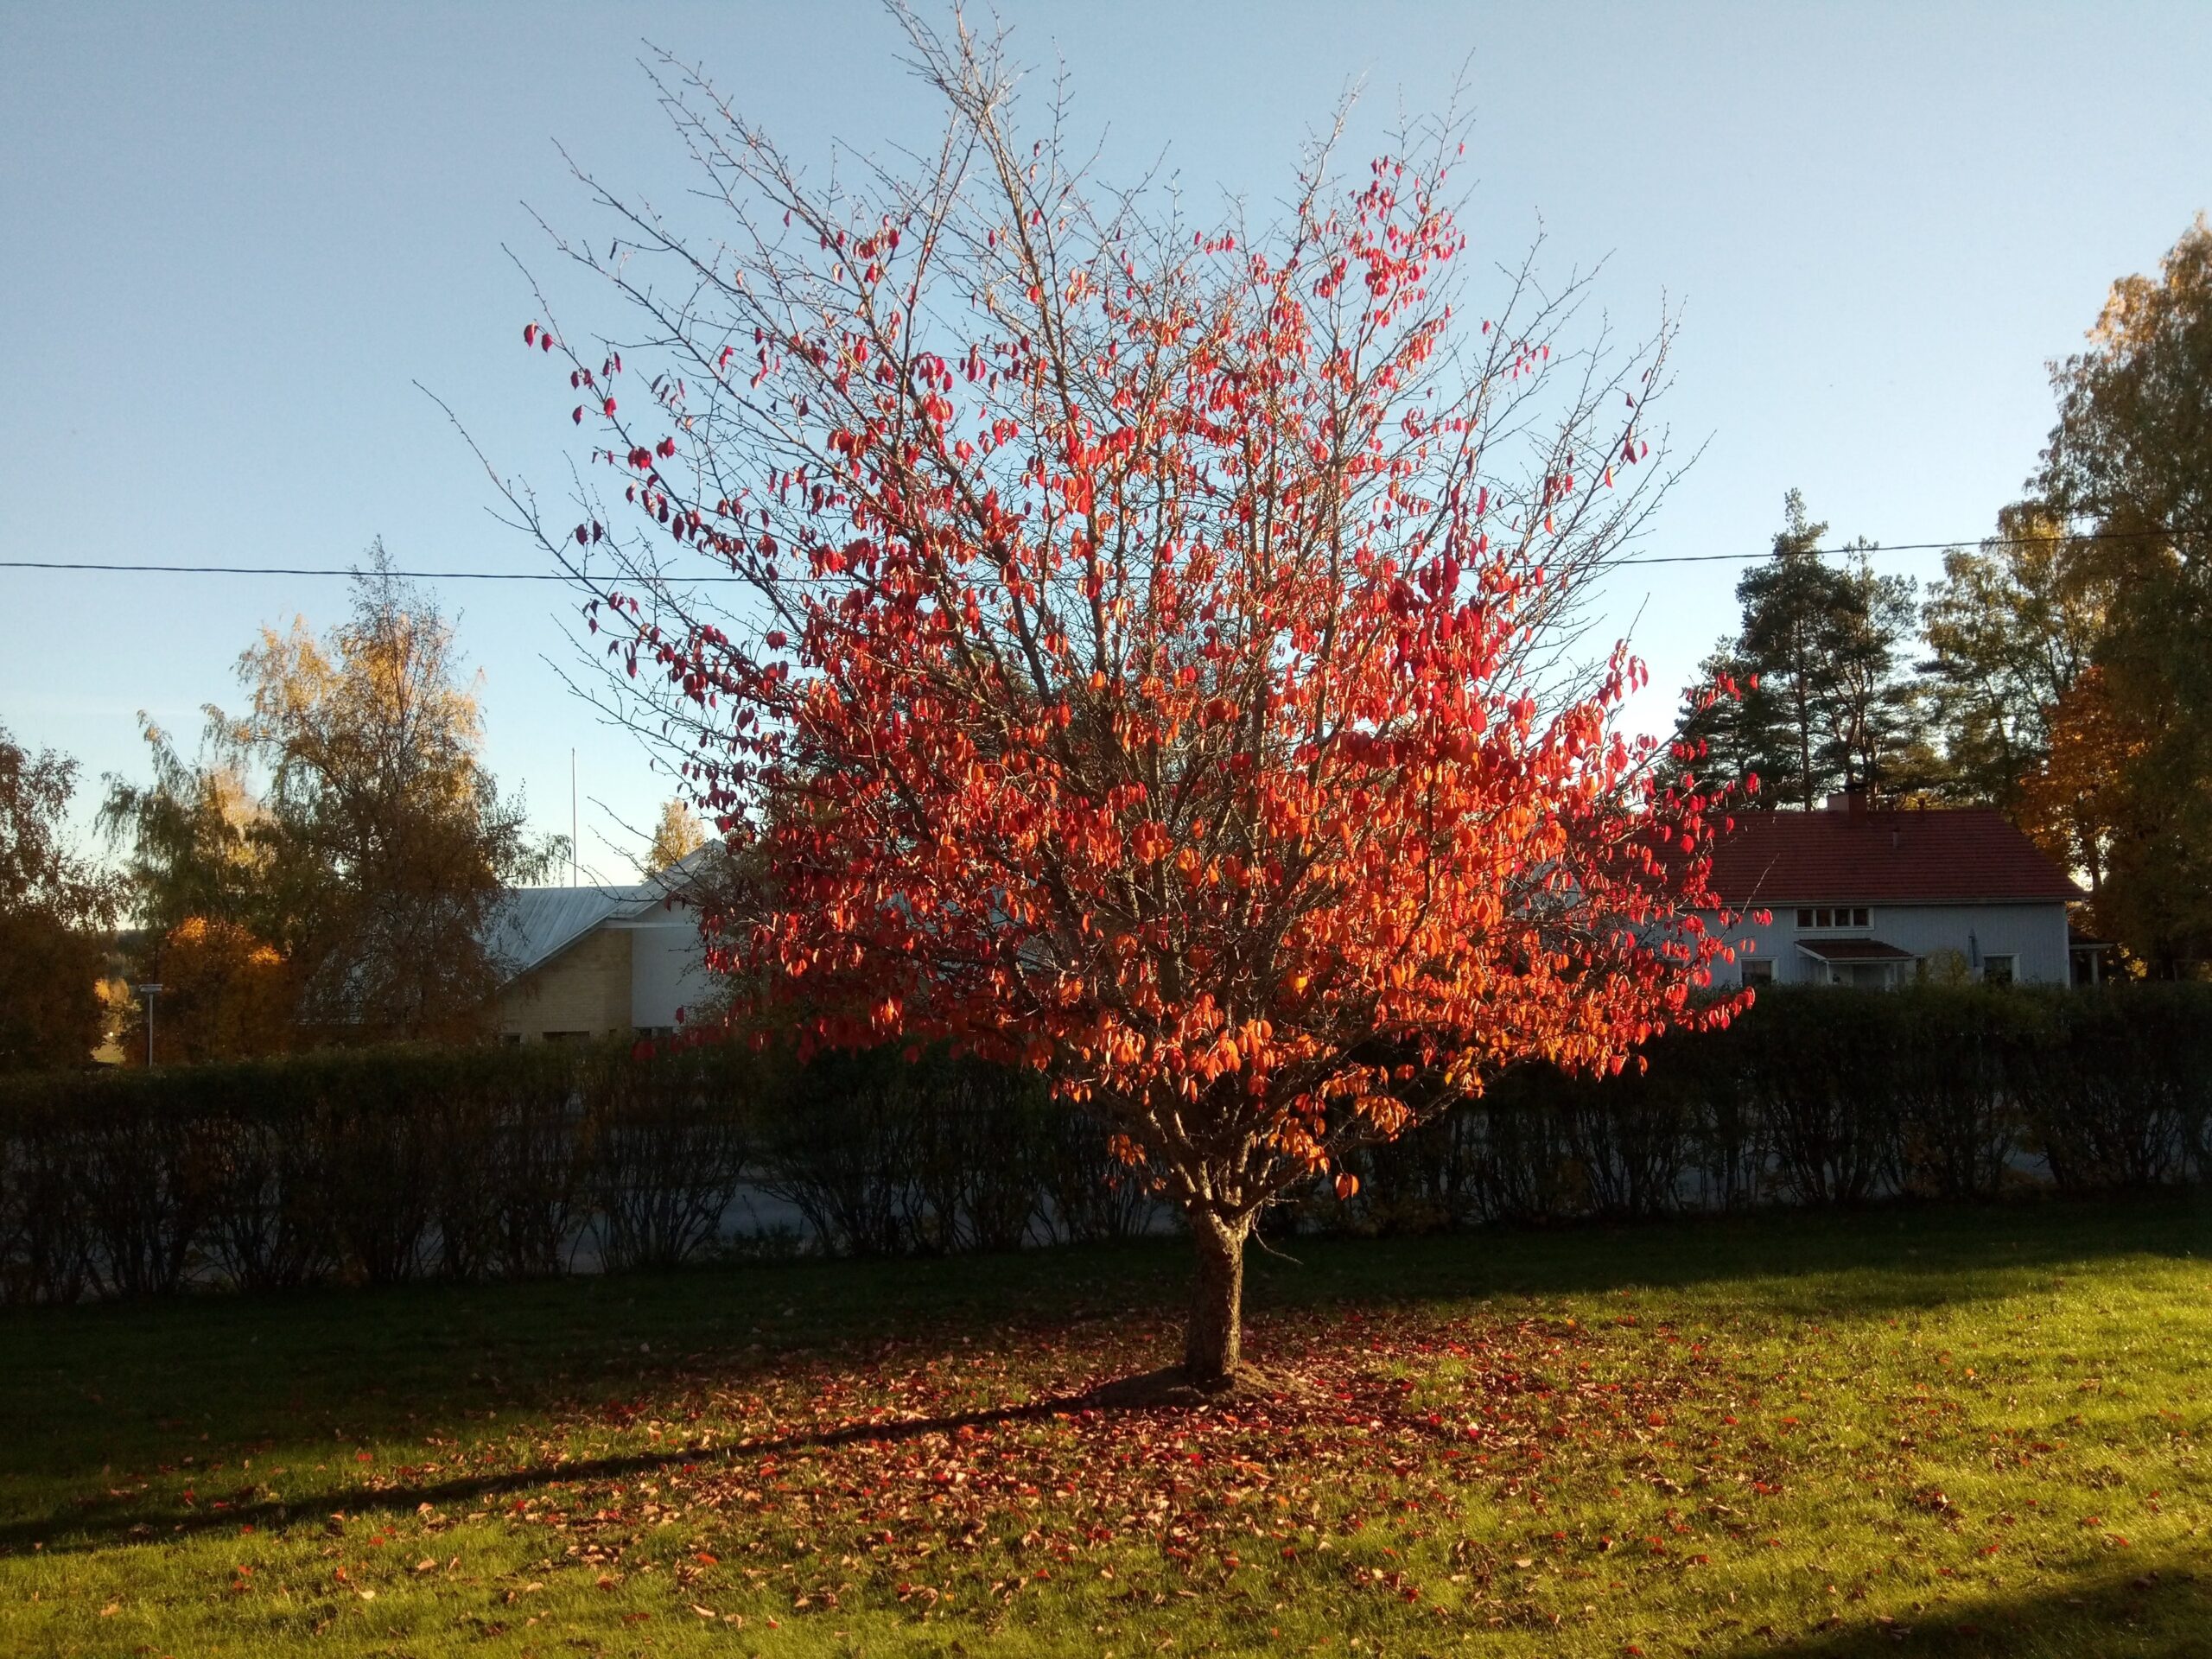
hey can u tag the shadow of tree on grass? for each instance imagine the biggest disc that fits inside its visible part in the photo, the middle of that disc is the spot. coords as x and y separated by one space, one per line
2146 1613
125 1386
149 1525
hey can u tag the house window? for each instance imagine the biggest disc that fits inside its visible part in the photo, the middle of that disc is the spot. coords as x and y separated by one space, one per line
1997 971
1758 972
1833 916
567 1036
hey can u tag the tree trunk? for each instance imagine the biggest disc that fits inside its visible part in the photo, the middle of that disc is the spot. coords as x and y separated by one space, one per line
1805 743
1213 1342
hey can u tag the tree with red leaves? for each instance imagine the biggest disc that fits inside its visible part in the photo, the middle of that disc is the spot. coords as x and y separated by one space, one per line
1154 662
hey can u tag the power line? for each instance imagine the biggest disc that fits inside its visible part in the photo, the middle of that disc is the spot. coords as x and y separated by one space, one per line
1926 547
296 570
121 567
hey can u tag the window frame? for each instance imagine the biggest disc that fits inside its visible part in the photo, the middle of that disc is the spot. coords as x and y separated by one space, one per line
1831 918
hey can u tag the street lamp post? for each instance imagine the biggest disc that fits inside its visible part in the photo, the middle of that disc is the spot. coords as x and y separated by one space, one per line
149 992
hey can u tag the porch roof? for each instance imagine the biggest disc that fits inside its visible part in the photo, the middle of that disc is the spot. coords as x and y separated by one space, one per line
1852 951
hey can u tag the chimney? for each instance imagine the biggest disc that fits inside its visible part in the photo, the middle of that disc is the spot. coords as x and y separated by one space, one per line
1852 800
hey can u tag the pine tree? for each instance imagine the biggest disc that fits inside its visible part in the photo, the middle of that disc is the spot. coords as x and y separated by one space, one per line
1811 699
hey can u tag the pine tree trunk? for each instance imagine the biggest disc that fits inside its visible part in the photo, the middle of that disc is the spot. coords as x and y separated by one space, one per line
1213 1342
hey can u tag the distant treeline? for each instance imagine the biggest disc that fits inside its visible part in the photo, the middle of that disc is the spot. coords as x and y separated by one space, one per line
2055 672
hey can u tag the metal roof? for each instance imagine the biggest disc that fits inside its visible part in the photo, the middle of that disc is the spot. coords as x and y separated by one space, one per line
531 925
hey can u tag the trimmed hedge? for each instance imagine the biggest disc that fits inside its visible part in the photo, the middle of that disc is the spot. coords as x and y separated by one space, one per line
382 1165
1827 1096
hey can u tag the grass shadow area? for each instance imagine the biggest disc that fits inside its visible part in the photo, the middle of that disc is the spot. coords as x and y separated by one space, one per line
123 1382
1916 1429
2146 1614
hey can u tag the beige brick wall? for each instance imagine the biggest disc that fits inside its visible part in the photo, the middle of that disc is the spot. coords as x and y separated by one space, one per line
585 989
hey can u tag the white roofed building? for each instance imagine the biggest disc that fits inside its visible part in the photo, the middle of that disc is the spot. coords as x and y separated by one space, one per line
580 963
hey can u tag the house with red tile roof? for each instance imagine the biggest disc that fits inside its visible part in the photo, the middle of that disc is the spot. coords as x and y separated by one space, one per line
1870 895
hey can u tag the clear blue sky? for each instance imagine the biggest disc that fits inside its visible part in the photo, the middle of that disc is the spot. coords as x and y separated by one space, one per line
238 234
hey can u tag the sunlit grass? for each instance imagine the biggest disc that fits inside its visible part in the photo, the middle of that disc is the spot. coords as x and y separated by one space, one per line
1920 1430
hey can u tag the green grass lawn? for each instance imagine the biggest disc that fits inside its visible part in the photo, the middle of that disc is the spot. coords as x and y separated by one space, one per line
1921 1431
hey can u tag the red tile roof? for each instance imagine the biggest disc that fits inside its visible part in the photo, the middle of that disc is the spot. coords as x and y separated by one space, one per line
1881 856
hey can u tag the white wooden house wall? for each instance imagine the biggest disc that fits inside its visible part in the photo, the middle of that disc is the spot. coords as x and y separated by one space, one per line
2033 935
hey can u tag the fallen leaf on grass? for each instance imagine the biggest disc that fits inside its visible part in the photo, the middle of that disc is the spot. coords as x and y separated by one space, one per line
959 1457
